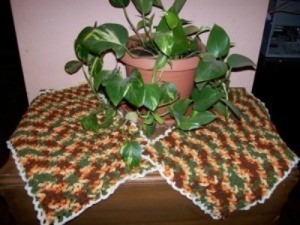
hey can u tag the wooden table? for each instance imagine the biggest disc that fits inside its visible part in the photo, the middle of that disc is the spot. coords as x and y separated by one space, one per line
148 200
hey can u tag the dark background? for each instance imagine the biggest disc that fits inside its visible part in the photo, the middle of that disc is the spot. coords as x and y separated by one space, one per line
12 89
276 84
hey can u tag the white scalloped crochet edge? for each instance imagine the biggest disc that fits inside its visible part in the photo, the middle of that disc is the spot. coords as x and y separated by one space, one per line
45 91
40 212
161 136
165 134
262 103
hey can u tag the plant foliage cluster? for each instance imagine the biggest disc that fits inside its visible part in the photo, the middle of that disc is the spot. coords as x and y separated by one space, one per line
172 38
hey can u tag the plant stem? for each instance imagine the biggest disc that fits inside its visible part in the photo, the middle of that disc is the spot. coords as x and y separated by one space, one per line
158 78
129 53
171 102
89 81
227 98
192 54
145 28
227 77
153 75
123 127
132 26
91 85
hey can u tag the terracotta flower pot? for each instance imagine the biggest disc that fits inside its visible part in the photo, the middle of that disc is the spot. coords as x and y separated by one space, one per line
182 73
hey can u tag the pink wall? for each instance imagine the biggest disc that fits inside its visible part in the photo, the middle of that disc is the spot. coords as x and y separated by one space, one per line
46 31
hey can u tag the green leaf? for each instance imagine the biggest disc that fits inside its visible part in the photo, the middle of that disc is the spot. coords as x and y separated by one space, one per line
176 39
179 108
143 6
201 85
196 121
158 118
209 69
169 92
161 61
194 46
152 96
140 24
218 42
172 19
206 98
145 22
190 30
221 108
162 26
116 89
158 4
107 122
109 111
178 4
185 22
90 122
98 78
80 50
181 41
203 29
234 109
131 153
106 37
188 123
132 116
150 21
95 65
136 90
73 66
238 61
103 77
149 119
149 129
165 42
119 3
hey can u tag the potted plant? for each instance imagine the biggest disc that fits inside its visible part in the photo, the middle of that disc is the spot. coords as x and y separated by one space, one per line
166 45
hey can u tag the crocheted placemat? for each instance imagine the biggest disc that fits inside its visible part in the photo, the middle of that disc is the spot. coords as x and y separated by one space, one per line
66 168
226 166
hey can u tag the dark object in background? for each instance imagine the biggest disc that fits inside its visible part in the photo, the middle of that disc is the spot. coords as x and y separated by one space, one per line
278 69
276 84
12 89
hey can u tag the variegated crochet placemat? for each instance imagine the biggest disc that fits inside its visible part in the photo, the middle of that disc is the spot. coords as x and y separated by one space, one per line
227 165
66 168
223 167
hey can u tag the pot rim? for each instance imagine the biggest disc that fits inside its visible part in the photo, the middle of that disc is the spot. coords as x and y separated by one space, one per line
147 63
